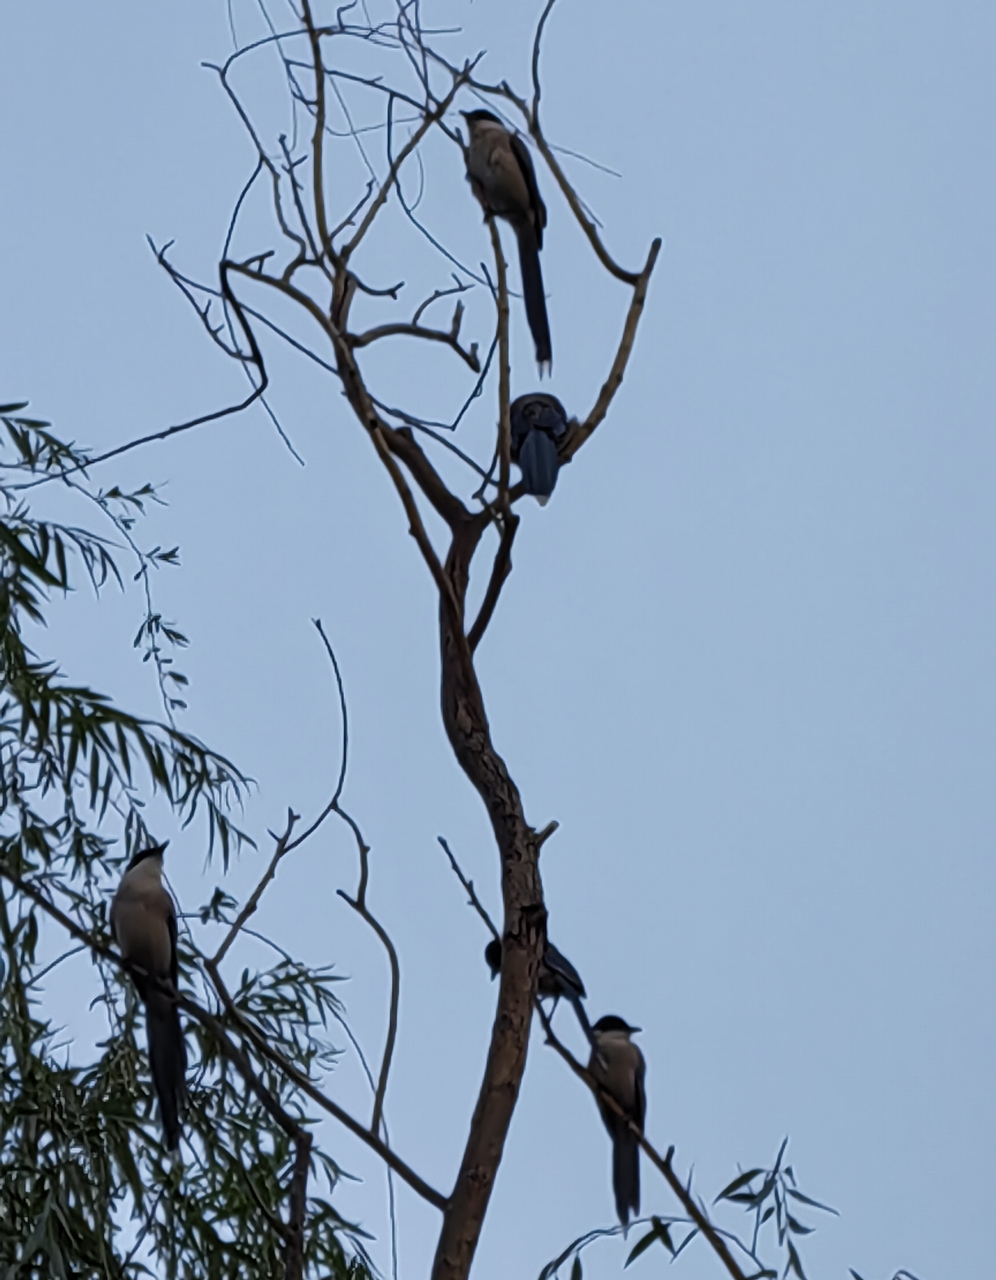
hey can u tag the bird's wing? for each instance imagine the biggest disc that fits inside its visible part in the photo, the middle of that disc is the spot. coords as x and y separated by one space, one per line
521 153
173 958
640 1102
558 963
113 919
520 425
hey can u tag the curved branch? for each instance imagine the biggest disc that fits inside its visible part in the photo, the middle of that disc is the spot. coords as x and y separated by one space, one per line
470 357
359 903
254 358
504 374
253 901
613 382
500 570
536 52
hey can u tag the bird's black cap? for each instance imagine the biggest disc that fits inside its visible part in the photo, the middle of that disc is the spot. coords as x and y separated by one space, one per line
475 116
613 1023
157 850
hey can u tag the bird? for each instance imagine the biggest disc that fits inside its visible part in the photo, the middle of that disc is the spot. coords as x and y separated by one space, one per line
143 921
539 423
618 1066
500 172
558 979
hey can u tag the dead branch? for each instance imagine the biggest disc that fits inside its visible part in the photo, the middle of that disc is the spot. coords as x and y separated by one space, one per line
359 902
614 380
504 372
500 570
472 897
253 901
450 338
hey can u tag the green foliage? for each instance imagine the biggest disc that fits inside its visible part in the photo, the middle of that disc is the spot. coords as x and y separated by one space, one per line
85 1186
771 1202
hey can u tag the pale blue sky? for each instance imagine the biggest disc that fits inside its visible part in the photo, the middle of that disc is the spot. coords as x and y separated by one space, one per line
746 656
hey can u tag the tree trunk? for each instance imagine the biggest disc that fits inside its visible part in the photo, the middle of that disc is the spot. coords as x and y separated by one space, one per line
523 936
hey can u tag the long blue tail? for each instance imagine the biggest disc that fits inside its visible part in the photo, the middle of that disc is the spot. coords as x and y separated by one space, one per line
539 463
168 1063
532 291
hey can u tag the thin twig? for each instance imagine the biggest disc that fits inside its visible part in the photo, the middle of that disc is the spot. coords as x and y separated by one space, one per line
428 121
469 357
257 893
614 380
359 903
500 570
536 53
218 415
504 393
472 897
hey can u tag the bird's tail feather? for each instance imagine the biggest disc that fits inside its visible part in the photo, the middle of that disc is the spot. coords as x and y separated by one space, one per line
539 464
168 1062
582 1018
532 291
626 1175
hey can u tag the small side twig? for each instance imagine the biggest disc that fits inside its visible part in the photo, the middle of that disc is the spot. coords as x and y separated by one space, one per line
472 897
448 337
614 380
504 378
500 570
253 901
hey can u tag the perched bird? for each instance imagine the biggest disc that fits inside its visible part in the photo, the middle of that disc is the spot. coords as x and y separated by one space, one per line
539 423
501 175
617 1064
143 920
558 979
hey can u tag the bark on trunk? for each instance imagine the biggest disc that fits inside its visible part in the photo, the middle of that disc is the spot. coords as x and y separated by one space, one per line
523 936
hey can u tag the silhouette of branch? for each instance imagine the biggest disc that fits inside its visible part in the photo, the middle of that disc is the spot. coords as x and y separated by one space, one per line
472 897
500 570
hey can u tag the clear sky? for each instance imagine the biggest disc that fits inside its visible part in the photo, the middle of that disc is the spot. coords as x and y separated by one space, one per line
746 656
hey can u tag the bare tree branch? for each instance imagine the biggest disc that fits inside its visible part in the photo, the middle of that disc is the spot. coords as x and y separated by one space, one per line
450 338
472 897
428 121
500 570
359 903
504 372
253 900
614 380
